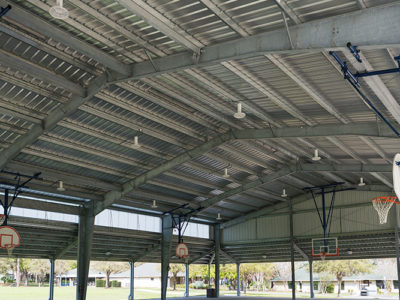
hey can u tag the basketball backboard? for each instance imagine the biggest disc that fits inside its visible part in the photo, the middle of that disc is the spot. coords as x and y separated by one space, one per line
323 247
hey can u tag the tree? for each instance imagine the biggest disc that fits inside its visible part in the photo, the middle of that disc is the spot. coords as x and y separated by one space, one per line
198 271
8 264
40 267
255 272
228 272
325 279
109 267
283 270
25 268
175 269
341 268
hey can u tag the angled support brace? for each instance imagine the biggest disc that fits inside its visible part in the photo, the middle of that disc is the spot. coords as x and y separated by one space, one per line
147 252
300 251
71 245
202 255
230 257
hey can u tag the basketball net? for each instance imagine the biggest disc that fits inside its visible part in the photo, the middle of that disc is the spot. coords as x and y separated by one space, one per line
382 205
323 256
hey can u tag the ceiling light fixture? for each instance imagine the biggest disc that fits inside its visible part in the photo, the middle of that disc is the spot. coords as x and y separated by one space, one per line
361 183
154 205
108 253
219 217
225 175
284 195
136 144
239 114
316 157
60 187
349 252
58 11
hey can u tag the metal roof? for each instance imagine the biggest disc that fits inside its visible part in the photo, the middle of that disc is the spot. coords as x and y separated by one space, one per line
75 92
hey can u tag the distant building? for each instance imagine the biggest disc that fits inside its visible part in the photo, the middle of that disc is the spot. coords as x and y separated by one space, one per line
382 277
146 275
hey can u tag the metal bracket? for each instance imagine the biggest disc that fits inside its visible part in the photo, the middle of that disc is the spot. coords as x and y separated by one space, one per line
353 79
4 10
7 204
326 220
354 51
181 221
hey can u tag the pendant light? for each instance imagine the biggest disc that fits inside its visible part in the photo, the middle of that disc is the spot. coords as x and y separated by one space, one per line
58 11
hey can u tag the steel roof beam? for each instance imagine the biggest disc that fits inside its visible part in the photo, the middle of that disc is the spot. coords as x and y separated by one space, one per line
227 92
370 28
368 129
288 11
358 129
268 210
29 20
263 88
347 150
25 66
162 23
224 17
114 195
62 111
290 170
102 18
284 67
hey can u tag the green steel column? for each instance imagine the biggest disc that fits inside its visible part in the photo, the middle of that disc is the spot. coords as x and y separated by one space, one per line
186 280
238 278
165 252
132 281
51 279
209 275
217 239
311 279
292 251
85 235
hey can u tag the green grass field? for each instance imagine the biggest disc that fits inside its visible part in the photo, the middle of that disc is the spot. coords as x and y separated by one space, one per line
68 293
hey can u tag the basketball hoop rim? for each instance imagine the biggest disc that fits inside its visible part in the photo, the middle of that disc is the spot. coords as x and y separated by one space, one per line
386 199
325 254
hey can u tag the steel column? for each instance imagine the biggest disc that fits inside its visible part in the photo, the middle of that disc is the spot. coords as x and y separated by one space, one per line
5 207
396 232
165 252
292 251
186 280
238 279
51 279
209 275
217 239
85 234
311 279
132 281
